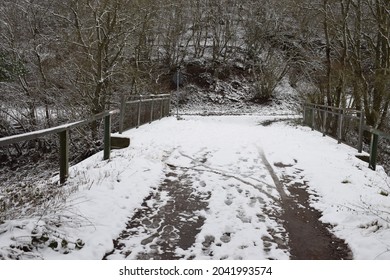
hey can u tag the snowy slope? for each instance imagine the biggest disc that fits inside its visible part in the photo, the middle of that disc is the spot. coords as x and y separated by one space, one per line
234 97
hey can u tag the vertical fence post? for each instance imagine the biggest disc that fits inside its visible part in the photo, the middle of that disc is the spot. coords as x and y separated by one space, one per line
162 108
151 109
139 111
64 155
122 114
312 117
373 150
360 141
169 104
340 128
324 122
164 101
107 137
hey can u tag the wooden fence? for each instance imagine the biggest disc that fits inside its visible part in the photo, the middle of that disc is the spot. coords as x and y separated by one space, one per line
141 109
138 111
337 122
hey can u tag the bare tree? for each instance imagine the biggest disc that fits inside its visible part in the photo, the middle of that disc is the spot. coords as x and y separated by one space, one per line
265 35
30 41
97 38
354 54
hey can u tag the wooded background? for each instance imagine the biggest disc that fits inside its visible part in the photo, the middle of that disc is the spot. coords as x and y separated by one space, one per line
62 59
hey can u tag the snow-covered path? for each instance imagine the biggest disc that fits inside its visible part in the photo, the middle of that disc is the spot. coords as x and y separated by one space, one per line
224 201
211 205
218 188
218 194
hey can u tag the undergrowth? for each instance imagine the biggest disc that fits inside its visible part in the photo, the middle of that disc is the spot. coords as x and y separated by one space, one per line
31 215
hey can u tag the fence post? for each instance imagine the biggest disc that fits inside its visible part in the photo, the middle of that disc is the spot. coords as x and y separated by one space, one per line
64 155
139 111
107 137
122 114
312 117
373 151
324 122
169 104
151 109
340 130
162 108
360 141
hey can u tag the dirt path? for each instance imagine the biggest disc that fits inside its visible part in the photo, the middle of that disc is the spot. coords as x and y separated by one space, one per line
308 237
167 220
169 225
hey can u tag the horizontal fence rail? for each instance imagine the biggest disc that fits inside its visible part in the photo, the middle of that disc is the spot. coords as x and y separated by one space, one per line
375 134
142 109
133 111
331 121
334 121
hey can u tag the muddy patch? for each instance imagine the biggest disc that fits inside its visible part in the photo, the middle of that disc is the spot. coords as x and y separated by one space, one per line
306 236
167 220
309 238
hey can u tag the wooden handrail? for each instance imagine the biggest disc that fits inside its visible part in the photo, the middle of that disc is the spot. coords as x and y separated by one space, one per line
63 130
8 140
349 110
342 113
377 132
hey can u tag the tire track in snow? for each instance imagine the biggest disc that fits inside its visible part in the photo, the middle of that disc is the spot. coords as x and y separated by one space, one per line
308 237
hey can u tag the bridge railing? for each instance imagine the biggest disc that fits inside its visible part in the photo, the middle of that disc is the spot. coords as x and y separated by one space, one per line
344 124
139 110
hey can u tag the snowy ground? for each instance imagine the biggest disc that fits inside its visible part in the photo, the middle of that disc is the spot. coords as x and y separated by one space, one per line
218 162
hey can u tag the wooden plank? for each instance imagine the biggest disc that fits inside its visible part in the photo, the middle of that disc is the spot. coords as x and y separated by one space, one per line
377 132
145 100
119 142
53 130
34 134
330 108
154 96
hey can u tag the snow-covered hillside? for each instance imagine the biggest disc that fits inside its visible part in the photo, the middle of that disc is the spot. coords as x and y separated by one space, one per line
234 96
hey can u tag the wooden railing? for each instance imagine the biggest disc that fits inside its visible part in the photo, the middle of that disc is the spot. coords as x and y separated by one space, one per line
332 121
63 130
133 114
375 134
